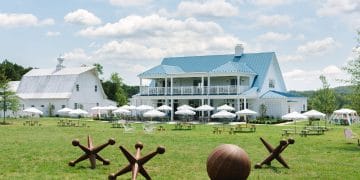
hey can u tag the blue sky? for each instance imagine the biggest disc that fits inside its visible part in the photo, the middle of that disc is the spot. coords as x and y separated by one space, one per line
309 37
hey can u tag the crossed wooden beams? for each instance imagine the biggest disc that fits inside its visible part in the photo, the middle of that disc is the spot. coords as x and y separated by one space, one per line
275 153
136 163
91 152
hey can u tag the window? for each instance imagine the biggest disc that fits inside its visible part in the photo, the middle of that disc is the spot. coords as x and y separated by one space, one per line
77 87
97 104
233 82
62 106
32 105
271 83
95 88
42 106
75 105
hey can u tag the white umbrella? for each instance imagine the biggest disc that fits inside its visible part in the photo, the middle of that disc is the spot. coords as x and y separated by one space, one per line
78 112
64 110
344 111
122 111
33 111
154 113
294 116
185 106
223 114
164 108
246 112
314 114
111 107
204 107
131 107
226 108
144 108
185 112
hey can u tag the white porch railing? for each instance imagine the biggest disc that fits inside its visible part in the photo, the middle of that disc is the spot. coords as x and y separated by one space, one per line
191 90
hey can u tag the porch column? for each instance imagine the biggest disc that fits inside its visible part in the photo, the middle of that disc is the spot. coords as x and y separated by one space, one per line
165 85
208 85
171 85
245 103
202 85
238 104
140 82
238 84
172 109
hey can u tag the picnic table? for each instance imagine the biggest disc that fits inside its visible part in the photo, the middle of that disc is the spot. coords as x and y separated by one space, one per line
218 130
312 130
161 128
242 128
70 123
32 123
287 132
184 126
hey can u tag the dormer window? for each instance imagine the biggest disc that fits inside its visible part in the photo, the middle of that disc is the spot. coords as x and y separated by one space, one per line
271 83
96 88
77 87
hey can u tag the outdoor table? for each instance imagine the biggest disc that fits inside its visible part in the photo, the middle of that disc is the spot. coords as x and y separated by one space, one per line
242 128
287 132
32 123
217 130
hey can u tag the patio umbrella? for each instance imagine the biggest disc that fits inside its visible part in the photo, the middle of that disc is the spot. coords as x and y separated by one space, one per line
223 114
144 108
64 110
122 111
226 108
128 107
78 112
164 108
33 111
154 113
294 116
185 106
314 114
203 108
185 112
246 112
98 110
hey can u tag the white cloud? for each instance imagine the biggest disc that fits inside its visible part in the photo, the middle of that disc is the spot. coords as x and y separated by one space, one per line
215 8
270 2
78 55
336 7
22 20
52 33
273 36
126 3
82 17
290 58
273 20
318 46
300 79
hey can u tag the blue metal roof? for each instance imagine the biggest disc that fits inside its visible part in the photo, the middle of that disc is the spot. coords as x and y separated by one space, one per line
232 66
162 70
277 94
256 63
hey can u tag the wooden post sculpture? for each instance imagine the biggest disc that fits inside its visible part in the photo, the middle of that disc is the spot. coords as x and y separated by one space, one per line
136 163
91 152
275 153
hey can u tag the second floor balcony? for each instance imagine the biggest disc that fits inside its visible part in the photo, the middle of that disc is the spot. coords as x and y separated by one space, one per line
192 90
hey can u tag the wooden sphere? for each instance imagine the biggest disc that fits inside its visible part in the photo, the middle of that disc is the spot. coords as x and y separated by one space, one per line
228 162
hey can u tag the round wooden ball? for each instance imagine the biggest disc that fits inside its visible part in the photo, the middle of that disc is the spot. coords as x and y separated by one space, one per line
229 162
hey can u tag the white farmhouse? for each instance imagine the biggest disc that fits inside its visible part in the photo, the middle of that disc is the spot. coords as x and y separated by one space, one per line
240 80
52 89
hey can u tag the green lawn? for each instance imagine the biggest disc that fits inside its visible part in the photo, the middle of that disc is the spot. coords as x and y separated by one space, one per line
44 152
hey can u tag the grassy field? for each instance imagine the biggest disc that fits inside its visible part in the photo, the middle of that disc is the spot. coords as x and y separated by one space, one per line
44 152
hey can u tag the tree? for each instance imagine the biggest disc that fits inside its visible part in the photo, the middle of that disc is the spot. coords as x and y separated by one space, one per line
8 100
99 68
324 100
353 68
113 89
12 71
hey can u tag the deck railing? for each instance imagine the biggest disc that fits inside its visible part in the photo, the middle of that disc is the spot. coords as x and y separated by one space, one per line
191 90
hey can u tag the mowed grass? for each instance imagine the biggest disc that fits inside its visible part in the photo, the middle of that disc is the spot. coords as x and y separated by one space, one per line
44 152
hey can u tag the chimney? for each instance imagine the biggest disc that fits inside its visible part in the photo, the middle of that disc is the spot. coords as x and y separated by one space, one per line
239 50
59 66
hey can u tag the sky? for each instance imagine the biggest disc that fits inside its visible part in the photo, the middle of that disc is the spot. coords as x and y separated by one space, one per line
309 37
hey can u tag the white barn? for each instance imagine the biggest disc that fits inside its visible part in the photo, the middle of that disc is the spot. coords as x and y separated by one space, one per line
52 89
242 80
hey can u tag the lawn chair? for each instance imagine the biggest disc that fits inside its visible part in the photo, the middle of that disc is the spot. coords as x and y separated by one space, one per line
149 128
128 128
350 135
